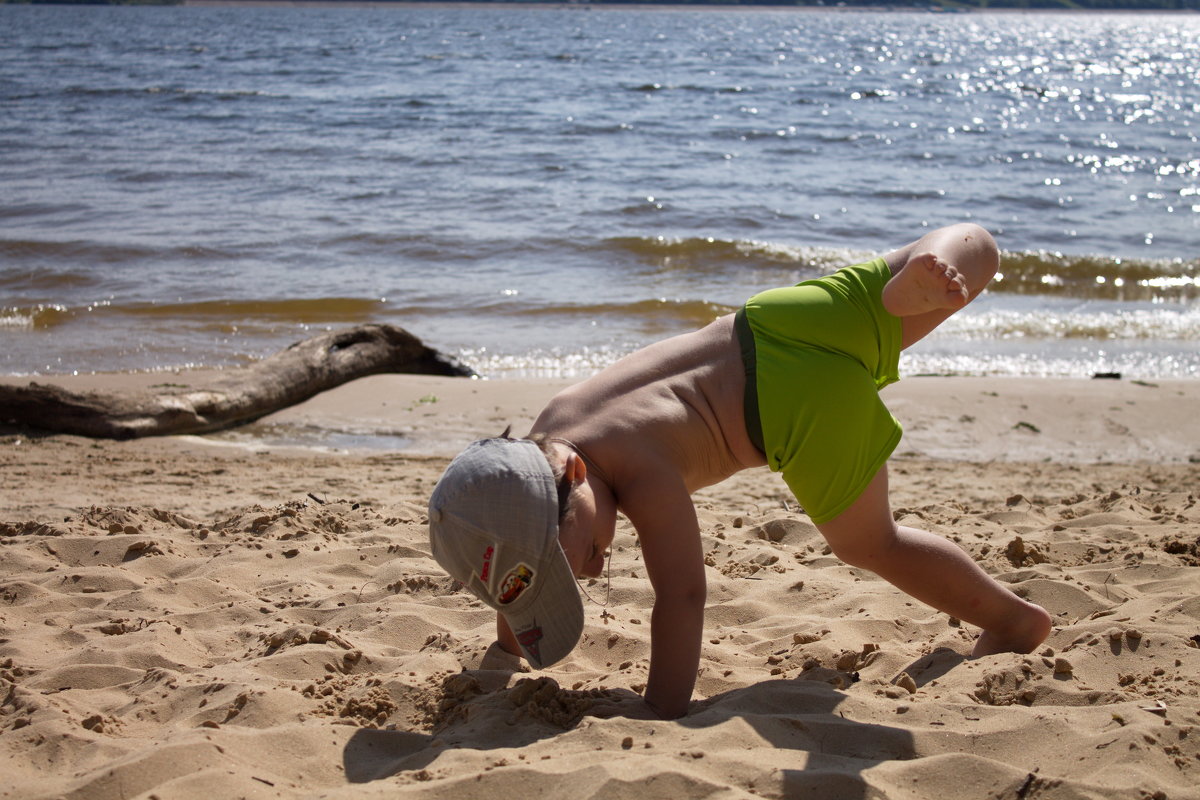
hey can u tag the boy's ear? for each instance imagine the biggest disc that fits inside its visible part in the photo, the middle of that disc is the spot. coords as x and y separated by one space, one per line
574 470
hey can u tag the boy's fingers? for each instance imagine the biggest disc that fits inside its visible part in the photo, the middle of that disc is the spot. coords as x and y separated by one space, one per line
630 708
604 709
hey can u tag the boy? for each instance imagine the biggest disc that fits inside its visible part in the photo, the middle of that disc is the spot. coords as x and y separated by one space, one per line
792 381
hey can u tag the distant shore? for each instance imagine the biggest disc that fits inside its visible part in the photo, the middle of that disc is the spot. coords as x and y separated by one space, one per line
642 5
533 5
680 6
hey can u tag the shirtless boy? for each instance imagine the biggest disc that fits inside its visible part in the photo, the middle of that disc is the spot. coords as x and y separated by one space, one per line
791 381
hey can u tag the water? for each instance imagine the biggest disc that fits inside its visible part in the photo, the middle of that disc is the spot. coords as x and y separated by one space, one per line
541 190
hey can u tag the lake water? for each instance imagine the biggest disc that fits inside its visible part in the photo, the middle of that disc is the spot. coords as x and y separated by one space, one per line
539 191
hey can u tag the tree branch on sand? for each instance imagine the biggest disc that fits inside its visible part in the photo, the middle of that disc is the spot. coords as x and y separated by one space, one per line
291 376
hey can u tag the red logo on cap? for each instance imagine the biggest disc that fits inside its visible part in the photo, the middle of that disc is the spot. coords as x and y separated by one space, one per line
487 563
514 583
529 639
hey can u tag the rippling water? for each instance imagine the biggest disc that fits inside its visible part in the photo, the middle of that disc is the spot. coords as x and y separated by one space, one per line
541 190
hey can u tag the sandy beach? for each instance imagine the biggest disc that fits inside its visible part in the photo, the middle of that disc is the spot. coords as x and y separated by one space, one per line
217 617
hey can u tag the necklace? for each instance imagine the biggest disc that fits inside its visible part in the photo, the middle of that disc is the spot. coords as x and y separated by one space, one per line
607 580
592 465
608 561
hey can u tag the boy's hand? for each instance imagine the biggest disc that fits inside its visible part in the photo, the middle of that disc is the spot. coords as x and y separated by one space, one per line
622 703
498 658
505 637
665 519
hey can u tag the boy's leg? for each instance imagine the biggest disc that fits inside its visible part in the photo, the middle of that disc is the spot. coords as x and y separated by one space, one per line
937 275
935 571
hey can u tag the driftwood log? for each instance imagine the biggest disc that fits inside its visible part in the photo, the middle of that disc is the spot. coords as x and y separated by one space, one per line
291 376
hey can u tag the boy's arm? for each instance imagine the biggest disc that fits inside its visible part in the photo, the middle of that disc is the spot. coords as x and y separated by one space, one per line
505 637
665 520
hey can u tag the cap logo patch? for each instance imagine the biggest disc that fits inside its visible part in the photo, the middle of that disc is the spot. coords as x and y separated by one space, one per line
529 639
487 563
516 581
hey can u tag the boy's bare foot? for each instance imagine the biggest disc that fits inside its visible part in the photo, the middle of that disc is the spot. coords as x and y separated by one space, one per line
1022 636
925 283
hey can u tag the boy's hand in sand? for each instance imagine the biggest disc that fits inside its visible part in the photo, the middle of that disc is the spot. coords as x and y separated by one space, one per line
622 703
498 657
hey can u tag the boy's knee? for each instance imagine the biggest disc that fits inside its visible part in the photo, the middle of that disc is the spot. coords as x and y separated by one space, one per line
981 237
855 555
864 548
980 258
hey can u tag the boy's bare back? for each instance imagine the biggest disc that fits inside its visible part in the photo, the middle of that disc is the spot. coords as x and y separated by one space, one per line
656 426
675 406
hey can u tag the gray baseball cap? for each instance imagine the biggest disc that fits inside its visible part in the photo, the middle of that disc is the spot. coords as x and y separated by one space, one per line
493 525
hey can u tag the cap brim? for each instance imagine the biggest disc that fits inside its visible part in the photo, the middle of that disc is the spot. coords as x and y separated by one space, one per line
548 627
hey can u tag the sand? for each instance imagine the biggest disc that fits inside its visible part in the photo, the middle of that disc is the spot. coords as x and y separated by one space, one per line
213 617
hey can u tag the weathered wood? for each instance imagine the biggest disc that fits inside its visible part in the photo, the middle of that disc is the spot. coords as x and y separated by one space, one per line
291 376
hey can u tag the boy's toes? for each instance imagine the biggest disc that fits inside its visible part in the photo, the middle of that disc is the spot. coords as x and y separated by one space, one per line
956 282
928 260
925 283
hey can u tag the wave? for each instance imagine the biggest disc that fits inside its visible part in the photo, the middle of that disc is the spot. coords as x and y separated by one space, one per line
218 313
137 176
83 251
644 88
34 209
79 250
323 309
45 280
1090 277
184 94
33 317
1033 272
1168 323
665 310
704 252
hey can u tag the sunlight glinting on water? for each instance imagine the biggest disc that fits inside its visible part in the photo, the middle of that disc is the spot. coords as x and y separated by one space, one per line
542 190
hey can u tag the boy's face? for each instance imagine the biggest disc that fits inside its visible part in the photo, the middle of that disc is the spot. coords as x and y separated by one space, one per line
587 533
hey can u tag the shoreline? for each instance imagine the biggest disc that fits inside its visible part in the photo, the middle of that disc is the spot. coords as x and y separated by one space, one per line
979 419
